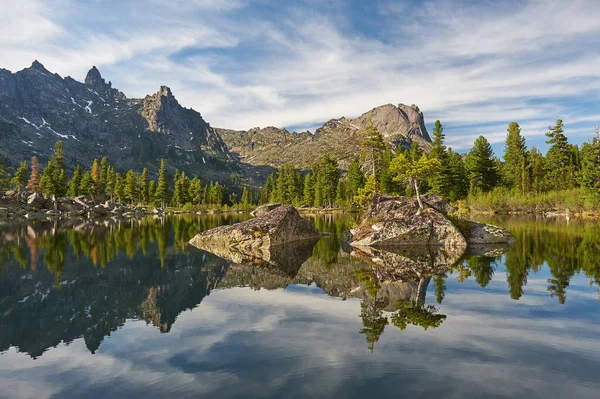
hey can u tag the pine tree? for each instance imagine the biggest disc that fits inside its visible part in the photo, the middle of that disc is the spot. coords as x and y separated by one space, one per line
144 194
481 167
537 170
131 190
86 184
356 179
151 191
372 145
515 171
308 197
119 188
54 180
33 185
267 190
590 168
365 194
4 176
97 186
110 182
20 178
246 199
326 182
340 194
75 182
458 175
558 157
441 182
103 173
195 191
405 169
162 188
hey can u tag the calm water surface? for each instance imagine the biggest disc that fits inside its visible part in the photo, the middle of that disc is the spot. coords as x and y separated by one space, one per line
130 310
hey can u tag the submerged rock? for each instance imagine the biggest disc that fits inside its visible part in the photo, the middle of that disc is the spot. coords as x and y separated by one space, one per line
482 233
280 226
398 221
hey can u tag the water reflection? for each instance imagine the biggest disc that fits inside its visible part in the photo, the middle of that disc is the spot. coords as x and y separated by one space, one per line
60 282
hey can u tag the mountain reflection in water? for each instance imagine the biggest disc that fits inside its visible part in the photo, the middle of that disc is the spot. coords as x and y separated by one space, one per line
62 282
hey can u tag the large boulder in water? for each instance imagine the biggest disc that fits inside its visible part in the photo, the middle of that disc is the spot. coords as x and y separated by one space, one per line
280 226
398 221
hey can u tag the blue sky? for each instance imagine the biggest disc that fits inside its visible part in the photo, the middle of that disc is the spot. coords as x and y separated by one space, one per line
475 65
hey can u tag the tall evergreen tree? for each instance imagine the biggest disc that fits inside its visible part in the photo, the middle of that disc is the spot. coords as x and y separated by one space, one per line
54 178
372 145
356 179
537 170
86 185
110 182
20 179
131 189
441 182
246 198
162 188
95 174
75 182
309 190
326 182
458 176
144 193
590 168
4 176
33 185
515 171
481 166
195 191
558 157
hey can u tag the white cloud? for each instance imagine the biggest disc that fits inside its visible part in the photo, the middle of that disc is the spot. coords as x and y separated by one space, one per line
475 67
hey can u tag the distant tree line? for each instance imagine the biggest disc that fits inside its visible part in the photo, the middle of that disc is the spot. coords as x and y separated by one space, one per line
477 176
377 169
101 180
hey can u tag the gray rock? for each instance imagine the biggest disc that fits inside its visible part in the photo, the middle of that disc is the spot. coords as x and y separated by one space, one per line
481 234
264 209
280 226
397 221
438 203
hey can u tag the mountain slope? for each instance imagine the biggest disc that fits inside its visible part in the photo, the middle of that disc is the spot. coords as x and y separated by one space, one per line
93 120
399 125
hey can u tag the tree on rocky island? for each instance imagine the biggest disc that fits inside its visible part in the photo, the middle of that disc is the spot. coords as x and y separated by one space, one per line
405 169
558 157
75 182
515 171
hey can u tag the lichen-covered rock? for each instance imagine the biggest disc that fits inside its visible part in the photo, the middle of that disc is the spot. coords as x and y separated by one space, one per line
264 209
280 226
438 203
397 221
482 233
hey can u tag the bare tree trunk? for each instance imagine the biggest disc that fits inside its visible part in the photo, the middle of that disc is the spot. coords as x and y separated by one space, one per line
416 186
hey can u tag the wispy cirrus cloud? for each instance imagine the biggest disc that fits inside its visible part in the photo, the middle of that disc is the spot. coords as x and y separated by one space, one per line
475 66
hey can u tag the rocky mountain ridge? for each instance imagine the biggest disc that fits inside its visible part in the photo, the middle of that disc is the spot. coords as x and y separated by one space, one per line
93 119
400 125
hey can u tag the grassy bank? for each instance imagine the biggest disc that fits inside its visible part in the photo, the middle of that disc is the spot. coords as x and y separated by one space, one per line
500 200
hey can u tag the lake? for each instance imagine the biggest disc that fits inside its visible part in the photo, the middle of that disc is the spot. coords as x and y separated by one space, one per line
126 310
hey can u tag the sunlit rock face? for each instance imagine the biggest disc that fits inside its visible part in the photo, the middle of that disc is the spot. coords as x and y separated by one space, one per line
257 236
398 221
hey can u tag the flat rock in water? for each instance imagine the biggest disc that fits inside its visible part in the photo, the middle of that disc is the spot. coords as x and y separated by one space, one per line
282 225
483 234
397 221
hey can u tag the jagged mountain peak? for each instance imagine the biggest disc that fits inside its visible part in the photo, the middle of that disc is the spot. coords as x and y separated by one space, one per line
38 65
94 77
